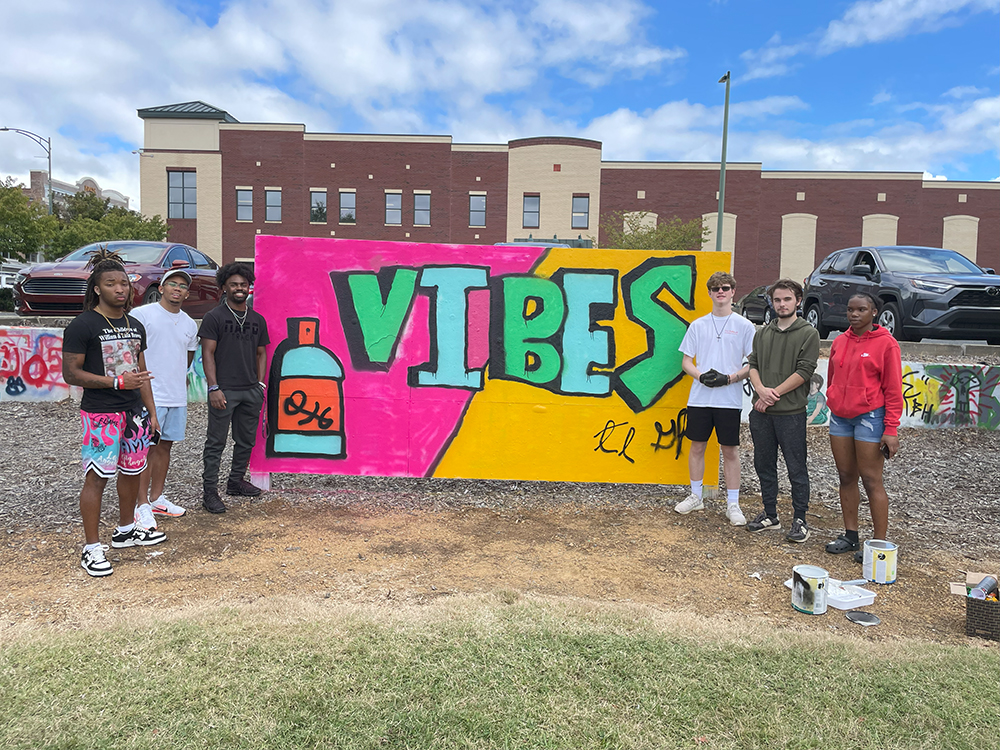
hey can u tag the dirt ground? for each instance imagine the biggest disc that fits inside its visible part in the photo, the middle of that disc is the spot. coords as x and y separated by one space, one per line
406 557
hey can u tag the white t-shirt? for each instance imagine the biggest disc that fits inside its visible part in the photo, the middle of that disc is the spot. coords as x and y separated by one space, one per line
169 337
720 344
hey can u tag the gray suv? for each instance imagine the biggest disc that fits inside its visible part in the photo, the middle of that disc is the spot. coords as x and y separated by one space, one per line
924 292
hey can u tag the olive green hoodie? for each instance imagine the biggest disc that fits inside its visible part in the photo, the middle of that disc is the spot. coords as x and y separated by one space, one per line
778 353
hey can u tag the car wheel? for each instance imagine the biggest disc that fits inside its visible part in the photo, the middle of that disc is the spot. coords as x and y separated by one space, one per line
889 319
813 319
768 315
152 295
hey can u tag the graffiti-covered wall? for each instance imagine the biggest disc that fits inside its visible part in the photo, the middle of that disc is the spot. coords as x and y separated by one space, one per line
31 365
477 361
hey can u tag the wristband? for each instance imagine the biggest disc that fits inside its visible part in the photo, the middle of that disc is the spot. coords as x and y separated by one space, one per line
261 384
213 388
114 383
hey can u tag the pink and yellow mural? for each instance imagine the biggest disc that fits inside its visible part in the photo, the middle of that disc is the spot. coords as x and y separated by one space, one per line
414 359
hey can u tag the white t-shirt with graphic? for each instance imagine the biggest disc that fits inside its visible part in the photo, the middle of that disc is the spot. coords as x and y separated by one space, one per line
720 344
169 338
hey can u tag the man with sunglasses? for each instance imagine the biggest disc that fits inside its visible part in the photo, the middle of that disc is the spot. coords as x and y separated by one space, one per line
172 338
715 348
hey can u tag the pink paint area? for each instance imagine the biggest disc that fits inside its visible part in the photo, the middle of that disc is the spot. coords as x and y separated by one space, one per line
390 428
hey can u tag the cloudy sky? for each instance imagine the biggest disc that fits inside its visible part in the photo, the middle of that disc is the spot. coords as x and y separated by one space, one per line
908 85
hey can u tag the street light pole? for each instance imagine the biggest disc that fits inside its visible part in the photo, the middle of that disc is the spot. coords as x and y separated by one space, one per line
45 143
722 171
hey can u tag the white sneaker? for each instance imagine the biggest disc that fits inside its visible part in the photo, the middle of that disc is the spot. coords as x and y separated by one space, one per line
690 503
163 507
95 562
144 516
735 515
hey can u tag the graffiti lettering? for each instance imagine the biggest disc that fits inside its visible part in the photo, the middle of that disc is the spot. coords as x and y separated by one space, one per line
31 363
675 434
604 434
296 404
15 386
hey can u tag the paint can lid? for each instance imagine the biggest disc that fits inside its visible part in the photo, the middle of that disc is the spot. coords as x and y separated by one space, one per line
863 618
811 571
879 544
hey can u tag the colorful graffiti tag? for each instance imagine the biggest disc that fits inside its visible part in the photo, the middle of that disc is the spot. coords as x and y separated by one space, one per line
951 395
482 362
31 365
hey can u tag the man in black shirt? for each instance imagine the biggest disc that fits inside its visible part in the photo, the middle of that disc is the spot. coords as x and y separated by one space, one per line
233 337
103 353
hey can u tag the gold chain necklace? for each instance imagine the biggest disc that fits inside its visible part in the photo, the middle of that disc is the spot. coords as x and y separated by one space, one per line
128 326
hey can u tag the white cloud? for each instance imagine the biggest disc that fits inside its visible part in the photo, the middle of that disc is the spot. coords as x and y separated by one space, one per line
963 92
881 98
934 177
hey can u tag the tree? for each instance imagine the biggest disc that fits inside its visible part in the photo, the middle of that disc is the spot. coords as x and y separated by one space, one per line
83 205
25 227
636 230
115 224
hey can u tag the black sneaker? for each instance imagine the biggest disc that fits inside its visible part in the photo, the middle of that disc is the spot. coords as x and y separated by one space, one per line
94 561
242 488
762 522
137 537
799 531
212 502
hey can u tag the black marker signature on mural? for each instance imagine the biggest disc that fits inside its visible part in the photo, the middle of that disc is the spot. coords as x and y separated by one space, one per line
675 434
605 434
296 404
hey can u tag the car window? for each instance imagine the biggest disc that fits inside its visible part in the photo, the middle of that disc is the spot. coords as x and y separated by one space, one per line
866 259
927 260
201 260
176 253
131 253
841 263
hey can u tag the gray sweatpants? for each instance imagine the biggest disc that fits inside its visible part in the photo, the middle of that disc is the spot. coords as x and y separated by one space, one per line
243 412
788 432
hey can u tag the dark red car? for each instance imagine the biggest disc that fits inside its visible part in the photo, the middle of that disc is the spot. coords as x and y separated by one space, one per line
58 288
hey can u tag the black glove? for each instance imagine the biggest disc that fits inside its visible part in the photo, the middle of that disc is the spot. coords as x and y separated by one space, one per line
714 379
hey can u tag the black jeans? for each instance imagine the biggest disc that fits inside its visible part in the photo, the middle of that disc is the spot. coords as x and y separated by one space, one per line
243 412
788 432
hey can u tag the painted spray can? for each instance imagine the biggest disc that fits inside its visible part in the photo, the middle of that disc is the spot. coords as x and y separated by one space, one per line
879 564
306 396
809 589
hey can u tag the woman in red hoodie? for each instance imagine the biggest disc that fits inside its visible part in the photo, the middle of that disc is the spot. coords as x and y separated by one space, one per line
865 395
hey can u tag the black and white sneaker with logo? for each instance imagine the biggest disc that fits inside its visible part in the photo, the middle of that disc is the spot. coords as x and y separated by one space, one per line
799 531
136 537
762 523
94 562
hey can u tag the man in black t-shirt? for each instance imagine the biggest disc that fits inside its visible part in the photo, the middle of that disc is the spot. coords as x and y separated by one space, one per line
233 337
103 353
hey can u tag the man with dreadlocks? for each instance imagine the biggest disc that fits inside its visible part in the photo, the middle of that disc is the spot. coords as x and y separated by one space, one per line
103 353
233 337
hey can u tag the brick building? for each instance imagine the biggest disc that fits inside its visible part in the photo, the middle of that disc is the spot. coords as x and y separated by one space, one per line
220 182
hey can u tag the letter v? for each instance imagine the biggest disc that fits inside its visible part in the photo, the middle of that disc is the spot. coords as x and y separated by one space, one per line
373 308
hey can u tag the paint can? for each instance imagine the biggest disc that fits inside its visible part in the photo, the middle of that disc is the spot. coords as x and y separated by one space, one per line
809 585
879 564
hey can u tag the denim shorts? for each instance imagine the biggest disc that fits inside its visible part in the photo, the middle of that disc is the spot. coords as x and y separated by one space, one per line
867 427
173 420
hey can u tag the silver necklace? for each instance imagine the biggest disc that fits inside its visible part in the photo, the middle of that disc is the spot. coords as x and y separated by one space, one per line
718 333
239 320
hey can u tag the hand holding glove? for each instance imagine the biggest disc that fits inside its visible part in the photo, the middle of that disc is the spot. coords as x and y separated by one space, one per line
714 379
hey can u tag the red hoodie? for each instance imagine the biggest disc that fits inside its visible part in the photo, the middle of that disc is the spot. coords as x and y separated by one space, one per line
866 373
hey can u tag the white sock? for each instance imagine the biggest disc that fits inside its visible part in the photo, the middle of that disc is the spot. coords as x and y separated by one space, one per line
733 497
126 529
696 489
95 545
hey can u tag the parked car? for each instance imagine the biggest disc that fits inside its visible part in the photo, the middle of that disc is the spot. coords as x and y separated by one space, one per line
924 292
755 306
58 288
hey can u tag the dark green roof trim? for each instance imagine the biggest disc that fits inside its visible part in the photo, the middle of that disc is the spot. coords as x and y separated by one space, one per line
188 110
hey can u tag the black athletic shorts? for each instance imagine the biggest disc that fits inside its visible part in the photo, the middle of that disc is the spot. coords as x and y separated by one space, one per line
701 420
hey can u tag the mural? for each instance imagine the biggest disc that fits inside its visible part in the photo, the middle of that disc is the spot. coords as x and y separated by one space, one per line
419 359
31 365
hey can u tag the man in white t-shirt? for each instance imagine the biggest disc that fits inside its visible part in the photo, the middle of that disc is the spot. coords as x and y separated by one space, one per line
715 348
172 338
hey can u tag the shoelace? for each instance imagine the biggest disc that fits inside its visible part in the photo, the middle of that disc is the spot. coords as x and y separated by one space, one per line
97 553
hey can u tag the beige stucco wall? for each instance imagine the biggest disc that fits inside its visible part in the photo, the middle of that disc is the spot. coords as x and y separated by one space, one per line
878 229
153 189
530 171
181 135
961 234
798 245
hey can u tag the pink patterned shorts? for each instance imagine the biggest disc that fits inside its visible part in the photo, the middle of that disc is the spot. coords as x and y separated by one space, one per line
115 442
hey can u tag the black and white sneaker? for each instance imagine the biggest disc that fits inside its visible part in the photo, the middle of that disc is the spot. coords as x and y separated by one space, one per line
94 562
137 537
799 531
762 523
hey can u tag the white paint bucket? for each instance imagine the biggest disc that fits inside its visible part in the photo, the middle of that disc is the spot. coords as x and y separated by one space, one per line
809 585
879 561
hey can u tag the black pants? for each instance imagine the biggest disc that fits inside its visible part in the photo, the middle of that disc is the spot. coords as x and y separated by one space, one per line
788 432
243 412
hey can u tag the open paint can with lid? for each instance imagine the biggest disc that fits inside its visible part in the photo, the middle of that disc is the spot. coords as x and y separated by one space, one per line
809 589
879 564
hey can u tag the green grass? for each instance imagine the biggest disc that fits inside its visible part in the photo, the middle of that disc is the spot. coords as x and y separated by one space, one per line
483 673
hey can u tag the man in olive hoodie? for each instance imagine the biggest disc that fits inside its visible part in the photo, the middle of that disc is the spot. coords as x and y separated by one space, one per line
782 362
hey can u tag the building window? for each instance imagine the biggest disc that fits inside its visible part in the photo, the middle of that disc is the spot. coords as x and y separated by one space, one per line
532 210
581 211
393 208
272 205
422 209
348 206
477 210
317 206
244 205
182 195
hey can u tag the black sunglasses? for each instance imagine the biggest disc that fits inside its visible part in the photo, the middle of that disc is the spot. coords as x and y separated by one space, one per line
715 289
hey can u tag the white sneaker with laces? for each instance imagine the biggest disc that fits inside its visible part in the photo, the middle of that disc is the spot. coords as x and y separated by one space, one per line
735 515
95 562
163 507
690 503
144 516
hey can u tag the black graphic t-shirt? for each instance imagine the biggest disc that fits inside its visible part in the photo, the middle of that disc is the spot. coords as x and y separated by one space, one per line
236 346
109 348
